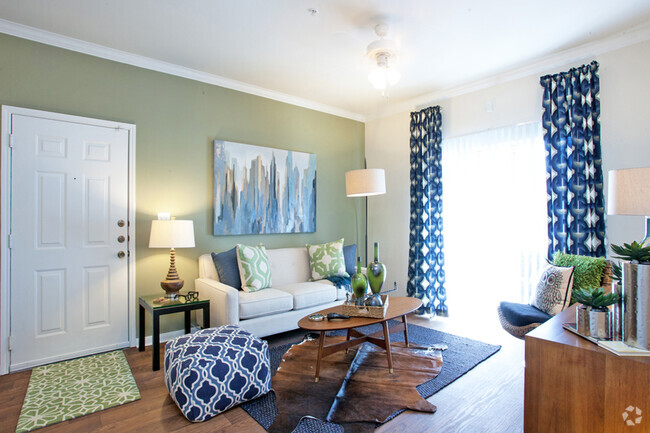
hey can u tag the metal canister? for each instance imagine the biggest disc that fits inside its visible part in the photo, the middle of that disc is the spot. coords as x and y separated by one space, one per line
617 312
582 320
636 305
599 323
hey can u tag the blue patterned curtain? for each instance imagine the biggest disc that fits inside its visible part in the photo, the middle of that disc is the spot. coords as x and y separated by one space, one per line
426 277
574 181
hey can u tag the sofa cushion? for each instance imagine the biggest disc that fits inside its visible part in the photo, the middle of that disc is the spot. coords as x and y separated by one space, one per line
227 267
289 265
254 268
350 257
522 314
263 303
327 260
341 293
309 294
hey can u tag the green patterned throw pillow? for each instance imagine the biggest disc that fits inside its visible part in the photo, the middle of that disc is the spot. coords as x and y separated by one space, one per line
588 270
254 268
327 260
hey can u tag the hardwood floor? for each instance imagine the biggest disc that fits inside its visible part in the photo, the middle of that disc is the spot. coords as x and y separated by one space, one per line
487 399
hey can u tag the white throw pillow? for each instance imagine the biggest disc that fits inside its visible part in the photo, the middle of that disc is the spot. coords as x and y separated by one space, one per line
553 292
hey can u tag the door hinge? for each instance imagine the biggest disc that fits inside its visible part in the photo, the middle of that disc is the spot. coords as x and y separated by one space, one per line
10 241
11 343
11 140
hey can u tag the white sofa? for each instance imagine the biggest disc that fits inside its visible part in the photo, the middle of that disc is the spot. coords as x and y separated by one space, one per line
273 310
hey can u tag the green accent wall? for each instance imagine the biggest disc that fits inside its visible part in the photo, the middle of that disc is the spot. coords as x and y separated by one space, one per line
177 119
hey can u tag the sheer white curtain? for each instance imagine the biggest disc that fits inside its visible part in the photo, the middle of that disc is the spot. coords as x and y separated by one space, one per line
494 214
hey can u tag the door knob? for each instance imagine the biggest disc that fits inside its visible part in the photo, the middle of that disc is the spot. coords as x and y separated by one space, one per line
121 238
121 254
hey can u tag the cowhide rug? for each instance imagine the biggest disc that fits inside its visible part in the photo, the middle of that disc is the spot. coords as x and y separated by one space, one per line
355 388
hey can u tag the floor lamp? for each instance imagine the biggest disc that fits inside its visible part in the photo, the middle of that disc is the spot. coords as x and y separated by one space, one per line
364 183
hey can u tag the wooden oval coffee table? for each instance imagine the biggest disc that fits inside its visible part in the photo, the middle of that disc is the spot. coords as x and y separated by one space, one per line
397 307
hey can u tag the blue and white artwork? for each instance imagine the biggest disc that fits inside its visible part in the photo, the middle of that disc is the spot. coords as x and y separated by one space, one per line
263 190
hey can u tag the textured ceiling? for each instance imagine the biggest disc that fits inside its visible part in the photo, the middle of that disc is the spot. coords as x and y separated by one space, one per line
278 45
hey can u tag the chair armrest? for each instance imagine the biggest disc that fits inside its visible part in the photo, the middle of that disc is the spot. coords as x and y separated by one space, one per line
224 301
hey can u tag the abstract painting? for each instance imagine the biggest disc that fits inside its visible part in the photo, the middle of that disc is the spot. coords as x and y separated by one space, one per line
261 190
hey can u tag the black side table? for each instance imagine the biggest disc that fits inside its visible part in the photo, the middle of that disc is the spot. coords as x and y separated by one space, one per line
168 306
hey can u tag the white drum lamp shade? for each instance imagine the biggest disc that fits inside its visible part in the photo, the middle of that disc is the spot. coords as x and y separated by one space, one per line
628 192
365 182
171 234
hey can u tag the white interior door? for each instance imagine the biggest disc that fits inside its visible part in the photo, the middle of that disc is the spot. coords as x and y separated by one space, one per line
69 289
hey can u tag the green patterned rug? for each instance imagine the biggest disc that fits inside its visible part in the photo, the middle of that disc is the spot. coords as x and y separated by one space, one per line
70 389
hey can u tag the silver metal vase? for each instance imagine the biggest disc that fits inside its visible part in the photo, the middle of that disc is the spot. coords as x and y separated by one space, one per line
636 305
600 323
617 312
582 320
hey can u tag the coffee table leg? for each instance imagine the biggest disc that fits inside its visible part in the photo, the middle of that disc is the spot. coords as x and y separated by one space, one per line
321 340
406 331
387 341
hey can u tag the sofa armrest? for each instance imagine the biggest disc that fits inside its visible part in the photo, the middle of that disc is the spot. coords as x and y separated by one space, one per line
224 301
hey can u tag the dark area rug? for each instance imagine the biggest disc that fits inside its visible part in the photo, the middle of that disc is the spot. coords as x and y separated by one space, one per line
461 355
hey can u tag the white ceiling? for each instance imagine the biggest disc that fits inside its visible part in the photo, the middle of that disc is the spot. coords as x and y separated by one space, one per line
277 45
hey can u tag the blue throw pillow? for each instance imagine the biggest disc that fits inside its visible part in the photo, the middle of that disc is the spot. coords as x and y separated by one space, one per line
349 254
227 268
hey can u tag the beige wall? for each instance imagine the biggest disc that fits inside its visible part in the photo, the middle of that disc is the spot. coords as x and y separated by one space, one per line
625 132
177 120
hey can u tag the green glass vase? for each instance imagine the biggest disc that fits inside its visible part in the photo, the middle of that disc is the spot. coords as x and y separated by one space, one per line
359 284
376 273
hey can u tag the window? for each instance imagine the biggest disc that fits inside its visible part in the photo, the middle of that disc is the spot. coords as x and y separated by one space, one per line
495 218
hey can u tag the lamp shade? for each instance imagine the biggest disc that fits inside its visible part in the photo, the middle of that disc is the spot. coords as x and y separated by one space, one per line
171 234
365 182
628 192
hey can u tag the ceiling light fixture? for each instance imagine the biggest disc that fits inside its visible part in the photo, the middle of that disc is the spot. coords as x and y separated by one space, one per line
383 51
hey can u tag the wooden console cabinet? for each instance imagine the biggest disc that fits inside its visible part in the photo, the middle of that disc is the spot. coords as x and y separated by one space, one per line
573 386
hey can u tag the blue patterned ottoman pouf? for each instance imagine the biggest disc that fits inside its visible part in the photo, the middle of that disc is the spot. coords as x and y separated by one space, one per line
212 370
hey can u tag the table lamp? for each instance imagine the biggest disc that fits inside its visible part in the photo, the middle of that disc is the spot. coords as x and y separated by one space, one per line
364 183
628 193
172 234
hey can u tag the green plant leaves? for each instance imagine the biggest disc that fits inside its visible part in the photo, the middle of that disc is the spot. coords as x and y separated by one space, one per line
617 271
595 297
634 251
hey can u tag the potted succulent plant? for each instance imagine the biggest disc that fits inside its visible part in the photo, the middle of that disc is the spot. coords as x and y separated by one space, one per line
595 301
636 293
